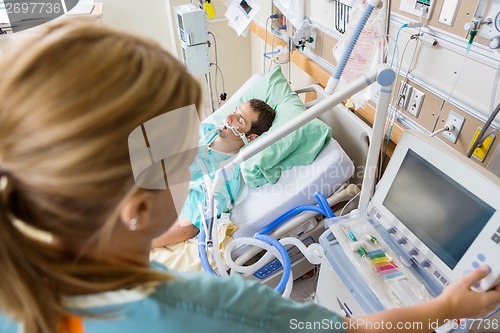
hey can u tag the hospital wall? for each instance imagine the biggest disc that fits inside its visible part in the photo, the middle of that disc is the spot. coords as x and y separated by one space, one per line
155 19
434 70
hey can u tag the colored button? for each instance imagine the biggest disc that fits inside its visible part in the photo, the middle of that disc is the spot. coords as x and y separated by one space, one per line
467 271
481 257
496 238
475 264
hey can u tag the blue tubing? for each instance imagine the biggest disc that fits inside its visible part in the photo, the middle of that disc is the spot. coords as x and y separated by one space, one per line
287 266
354 39
267 54
283 218
202 253
323 203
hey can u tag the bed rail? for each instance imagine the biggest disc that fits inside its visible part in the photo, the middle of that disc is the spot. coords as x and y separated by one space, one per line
348 130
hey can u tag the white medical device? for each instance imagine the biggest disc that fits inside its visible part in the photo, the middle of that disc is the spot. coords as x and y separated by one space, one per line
442 208
196 58
192 24
438 212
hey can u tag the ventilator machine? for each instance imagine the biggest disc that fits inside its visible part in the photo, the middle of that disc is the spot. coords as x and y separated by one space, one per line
434 217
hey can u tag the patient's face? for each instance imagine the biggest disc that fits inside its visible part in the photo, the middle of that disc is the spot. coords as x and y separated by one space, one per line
243 117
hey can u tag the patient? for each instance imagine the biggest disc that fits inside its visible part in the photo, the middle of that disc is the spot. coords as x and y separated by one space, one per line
216 146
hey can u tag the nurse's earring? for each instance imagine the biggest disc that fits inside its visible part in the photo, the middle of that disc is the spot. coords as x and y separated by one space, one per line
132 224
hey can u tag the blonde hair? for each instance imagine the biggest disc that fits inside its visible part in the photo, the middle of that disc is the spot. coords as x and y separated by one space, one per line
68 101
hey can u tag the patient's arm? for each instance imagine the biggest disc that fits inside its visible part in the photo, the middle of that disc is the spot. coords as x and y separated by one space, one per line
180 231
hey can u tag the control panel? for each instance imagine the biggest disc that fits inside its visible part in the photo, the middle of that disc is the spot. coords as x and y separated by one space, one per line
275 265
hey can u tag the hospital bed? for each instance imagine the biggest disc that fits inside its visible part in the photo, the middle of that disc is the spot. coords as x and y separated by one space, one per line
336 172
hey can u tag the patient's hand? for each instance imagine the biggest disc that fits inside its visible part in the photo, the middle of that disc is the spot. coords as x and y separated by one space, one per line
181 230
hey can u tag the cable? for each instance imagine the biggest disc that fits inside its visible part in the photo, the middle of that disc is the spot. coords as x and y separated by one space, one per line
494 89
390 121
446 128
480 138
348 202
451 91
216 66
265 46
272 47
218 70
396 42
206 94
490 133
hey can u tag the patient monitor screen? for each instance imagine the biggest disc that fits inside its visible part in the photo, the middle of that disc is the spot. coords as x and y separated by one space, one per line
445 216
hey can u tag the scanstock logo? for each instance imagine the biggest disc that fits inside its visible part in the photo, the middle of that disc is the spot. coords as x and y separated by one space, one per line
22 15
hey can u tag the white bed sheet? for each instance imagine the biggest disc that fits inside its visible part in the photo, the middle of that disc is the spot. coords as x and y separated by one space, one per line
257 207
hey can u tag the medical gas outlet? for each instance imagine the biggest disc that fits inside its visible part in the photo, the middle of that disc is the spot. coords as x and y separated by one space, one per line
483 148
410 99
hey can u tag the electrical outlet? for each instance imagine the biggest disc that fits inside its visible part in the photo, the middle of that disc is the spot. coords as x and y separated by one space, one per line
416 101
458 122
312 45
404 95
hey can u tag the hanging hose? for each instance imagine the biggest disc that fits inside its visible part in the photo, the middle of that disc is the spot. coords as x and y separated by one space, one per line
334 79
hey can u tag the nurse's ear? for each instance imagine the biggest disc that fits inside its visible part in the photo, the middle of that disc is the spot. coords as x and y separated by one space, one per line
135 212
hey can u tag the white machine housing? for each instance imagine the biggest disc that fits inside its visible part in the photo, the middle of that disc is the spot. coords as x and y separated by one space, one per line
442 194
442 236
196 58
192 24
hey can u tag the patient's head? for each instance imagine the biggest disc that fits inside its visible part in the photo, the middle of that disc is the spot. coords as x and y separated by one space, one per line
251 118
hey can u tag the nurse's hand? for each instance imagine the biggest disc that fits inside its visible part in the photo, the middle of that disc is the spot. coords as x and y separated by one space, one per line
462 302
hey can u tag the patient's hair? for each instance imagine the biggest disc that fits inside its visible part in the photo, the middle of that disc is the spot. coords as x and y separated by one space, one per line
69 98
265 119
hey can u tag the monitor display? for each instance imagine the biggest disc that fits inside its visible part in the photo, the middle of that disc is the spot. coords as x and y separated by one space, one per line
444 215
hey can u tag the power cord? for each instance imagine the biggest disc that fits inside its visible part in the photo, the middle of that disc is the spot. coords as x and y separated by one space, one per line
446 128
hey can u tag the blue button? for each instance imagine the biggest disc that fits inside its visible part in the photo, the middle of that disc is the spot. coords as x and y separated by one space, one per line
481 257
475 264
467 271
